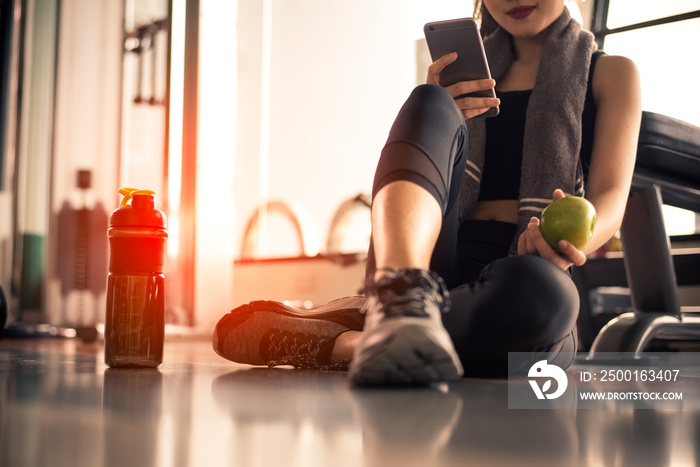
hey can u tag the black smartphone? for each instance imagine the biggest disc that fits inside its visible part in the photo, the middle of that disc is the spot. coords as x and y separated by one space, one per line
461 36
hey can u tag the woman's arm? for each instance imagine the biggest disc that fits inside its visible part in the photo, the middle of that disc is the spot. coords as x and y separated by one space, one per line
617 94
616 91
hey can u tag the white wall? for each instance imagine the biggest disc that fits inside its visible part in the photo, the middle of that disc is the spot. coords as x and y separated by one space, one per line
333 89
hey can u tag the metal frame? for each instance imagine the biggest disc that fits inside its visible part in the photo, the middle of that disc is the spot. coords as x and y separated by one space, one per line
651 274
600 29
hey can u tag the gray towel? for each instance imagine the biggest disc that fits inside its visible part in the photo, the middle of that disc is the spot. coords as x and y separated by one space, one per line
553 120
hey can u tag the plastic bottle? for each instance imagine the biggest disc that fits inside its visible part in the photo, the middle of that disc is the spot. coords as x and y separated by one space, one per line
135 321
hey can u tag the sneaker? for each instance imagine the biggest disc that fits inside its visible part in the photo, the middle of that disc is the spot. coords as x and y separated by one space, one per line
404 341
272 333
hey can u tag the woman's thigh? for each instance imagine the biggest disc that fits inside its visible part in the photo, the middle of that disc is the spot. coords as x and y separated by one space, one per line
518 304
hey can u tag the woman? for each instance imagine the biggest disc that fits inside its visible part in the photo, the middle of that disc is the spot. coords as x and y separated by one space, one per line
458 273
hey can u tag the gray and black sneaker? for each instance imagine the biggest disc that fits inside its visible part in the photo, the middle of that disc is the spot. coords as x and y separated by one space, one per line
271 333
404 342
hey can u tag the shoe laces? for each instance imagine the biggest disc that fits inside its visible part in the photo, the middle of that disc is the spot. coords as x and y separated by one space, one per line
409 292
299 351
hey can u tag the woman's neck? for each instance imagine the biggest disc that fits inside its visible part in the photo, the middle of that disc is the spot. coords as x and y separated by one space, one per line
523 71
528 50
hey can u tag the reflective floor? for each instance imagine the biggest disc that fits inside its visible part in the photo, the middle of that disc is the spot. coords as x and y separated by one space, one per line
60 406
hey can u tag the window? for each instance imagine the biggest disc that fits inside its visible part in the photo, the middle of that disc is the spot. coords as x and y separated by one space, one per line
625 12
664 53
663 39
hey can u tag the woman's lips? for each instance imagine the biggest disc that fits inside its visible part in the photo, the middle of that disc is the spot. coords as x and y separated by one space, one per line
520 12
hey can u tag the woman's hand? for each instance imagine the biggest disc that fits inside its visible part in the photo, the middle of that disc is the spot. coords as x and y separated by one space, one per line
470 106
531 242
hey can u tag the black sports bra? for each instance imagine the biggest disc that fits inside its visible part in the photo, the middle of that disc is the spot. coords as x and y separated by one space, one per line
504 141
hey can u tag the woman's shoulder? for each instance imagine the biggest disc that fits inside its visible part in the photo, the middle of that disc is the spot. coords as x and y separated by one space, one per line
608 64
612 73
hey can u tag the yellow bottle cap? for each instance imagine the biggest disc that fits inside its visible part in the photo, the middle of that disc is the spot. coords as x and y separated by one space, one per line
129 193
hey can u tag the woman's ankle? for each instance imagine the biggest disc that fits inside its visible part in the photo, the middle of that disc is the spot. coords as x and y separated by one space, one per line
344 346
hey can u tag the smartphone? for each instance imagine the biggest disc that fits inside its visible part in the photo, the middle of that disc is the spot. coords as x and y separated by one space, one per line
461 36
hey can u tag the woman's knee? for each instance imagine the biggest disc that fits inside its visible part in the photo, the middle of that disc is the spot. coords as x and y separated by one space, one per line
431 96
426 145
541 297
427 92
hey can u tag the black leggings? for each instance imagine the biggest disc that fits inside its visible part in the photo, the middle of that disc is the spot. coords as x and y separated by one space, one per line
500 303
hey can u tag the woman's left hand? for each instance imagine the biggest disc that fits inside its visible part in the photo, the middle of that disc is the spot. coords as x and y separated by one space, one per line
531 242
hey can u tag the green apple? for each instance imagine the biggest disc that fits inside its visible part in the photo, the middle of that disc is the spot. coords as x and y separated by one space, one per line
571 218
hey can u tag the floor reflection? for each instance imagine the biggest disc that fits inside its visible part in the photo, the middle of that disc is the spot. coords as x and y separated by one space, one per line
47 407
281 416
132 404
409 427
60 406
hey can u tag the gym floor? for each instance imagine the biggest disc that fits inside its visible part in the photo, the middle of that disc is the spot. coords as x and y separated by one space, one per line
61 406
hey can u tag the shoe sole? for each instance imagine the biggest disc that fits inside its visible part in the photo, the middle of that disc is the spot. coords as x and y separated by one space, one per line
405 352
238 334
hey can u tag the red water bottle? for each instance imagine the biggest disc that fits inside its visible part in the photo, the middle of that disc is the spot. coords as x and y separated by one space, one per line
135 321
